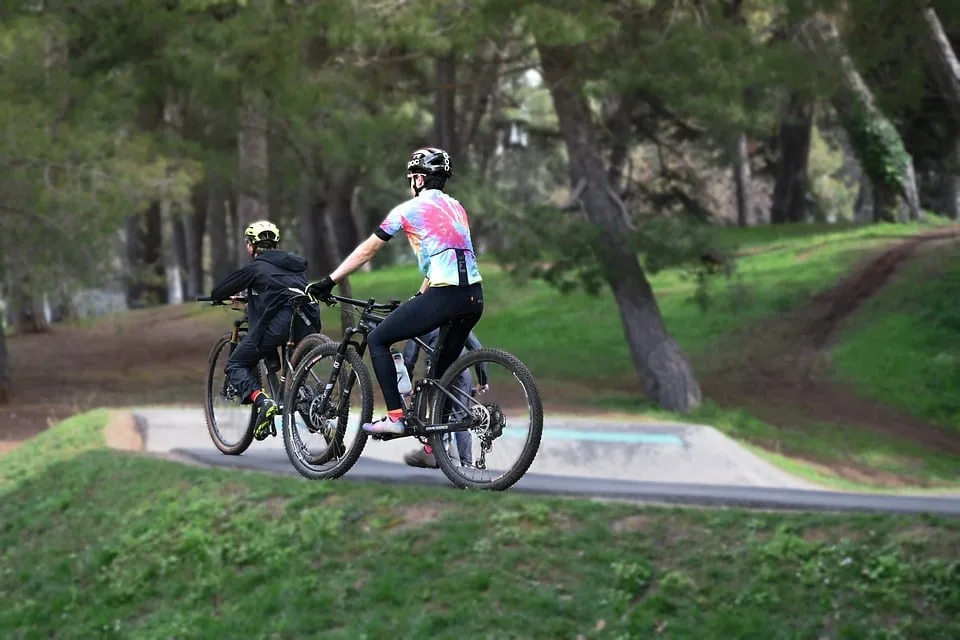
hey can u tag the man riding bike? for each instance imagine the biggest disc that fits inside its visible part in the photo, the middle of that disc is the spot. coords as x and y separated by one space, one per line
267 279
439 233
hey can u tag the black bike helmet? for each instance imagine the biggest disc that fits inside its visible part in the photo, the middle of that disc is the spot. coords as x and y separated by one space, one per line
430 161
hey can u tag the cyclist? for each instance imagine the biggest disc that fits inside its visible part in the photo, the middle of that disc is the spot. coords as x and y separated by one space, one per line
266 279
423 457
439 233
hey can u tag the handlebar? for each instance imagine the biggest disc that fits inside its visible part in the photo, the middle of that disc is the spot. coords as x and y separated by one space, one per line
369 305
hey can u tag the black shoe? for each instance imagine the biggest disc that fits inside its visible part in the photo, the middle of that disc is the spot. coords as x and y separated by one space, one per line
266 409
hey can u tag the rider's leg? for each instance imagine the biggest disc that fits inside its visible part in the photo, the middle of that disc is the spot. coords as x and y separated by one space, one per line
453 339
461 391
412 318
241 370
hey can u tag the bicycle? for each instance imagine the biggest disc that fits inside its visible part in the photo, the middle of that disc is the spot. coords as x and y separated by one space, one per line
326 410
275 375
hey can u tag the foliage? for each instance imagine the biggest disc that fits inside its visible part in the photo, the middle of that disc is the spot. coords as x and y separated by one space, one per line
834 197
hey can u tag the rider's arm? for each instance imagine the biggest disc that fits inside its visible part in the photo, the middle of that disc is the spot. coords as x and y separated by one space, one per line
359 257
425 285
369 247
233 283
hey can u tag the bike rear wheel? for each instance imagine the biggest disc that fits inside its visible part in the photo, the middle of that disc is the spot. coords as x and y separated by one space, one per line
506 401
323 452
229 422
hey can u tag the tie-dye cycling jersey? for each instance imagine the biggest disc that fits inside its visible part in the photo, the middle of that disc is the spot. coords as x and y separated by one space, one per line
436 226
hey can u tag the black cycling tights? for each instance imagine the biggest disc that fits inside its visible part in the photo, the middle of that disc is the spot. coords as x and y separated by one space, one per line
461 307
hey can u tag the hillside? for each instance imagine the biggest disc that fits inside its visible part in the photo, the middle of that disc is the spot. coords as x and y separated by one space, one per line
787 278
101 543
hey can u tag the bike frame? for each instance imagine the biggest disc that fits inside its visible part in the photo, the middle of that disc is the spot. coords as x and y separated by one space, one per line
275 379
412 414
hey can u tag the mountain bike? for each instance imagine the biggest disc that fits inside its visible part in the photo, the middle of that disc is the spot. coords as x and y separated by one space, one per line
230 422
324 402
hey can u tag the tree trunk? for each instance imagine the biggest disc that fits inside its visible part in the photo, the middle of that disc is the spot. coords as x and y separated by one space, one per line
221 252
146 277
252 170
444 107
875 140
951 183
320 261
146 281
29 315
793 139
195 227
661 365
6 387
862 209
741 179
945 62
947 70
338 228
181 253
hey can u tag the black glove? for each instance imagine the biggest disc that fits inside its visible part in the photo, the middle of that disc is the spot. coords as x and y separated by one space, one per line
320 289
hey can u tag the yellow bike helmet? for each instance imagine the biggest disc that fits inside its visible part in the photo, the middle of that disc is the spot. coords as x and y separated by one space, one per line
262 231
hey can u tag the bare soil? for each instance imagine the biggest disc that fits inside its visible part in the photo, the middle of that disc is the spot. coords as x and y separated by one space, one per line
778 368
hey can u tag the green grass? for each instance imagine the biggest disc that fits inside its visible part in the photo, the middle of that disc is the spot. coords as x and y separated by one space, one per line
96 543
903 347
578 337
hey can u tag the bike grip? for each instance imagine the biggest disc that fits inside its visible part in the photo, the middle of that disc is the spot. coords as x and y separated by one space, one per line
204 299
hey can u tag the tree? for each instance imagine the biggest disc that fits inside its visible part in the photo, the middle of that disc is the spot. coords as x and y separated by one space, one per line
666 373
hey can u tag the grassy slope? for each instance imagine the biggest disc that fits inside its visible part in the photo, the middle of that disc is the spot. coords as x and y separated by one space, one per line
576 337
904 346
96 543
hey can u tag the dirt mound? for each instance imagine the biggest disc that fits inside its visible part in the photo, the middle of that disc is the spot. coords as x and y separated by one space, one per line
151 355
778 367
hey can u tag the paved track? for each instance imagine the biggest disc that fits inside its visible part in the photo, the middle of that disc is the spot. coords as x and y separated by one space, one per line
684 464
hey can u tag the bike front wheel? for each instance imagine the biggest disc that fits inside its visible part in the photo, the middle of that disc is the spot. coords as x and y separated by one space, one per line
509 415
324 442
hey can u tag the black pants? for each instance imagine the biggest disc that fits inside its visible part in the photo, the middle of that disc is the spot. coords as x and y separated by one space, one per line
458 307
242 364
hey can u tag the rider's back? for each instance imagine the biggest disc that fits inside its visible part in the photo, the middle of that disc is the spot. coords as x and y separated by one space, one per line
438 229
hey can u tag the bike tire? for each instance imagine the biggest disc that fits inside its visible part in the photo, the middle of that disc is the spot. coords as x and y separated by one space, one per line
311 469
231 450
307 344
534 404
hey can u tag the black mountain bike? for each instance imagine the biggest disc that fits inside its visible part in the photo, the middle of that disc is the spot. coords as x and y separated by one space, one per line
231 423
434 409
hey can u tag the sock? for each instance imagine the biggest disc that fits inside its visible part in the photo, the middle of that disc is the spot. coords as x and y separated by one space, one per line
395 414
255 395
428 449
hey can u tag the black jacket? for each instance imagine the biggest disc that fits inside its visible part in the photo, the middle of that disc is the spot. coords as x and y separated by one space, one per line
267 280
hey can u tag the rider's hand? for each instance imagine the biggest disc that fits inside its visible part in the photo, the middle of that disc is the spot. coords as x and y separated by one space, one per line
483 388
320 289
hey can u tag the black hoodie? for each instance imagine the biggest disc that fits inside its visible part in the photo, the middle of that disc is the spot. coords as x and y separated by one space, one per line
267 280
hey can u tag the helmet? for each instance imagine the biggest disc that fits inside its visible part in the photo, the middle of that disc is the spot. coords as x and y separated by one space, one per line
262 231
430 161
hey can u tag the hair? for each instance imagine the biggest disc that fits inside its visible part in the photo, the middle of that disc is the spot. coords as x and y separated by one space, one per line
434 182
264 245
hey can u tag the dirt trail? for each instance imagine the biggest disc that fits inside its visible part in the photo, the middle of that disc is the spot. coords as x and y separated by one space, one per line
779 368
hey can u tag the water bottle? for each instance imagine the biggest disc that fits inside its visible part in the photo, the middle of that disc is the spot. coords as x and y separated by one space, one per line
403 380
